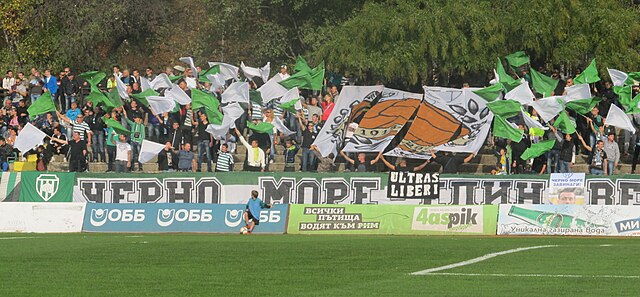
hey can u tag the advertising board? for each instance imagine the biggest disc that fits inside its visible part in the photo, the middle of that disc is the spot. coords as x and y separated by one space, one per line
60 217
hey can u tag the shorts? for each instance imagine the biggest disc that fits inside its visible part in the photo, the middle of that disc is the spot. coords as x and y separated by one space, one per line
250 217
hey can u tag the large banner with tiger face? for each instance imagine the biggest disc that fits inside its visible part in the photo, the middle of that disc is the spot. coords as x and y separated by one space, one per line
448 119
383 121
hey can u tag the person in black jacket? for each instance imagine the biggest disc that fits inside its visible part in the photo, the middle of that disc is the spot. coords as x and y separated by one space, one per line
517 149
167 159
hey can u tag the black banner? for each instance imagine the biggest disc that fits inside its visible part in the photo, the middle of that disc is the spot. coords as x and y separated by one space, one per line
413 185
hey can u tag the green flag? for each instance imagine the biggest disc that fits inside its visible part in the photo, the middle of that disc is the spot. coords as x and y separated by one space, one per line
290 106
214 115
174 78
261 127
201 99
116 126
542 84
583 106
99 98
93 77
142 96
589 75
301 79
43 105
505 108
490 93
114 99
301 65
633 108
508 82
624 94
203 74
317 77
564 123
537 149
504 129
255 96
517 59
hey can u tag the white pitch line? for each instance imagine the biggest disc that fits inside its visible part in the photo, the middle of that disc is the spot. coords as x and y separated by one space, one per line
479 259
533 275
10 238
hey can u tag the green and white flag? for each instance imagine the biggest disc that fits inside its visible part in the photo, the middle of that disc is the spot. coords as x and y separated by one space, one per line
490 93
505 108
122 89
589 75
583 106
503 128
161 81
291 101
36 186
142 96
618 78
228 71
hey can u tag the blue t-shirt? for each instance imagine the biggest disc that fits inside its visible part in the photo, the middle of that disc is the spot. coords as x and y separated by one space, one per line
254 206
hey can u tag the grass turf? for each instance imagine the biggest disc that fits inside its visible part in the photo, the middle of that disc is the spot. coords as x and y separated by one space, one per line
289 265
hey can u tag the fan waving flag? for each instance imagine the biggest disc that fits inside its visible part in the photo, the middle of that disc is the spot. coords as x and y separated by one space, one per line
142 97
291 101
279 125
537 149
93 77
149 150
617 118
192 65
228 71
251 72
583 106
589 75
618 78
42 105
548 107
28 138
161 81
178 94
116 126
122 89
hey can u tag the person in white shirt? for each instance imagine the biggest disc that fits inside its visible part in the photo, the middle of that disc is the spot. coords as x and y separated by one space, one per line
7 83
123 154
255 155
283 72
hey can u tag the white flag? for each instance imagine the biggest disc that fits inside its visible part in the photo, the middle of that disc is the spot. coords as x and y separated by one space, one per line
191 82
29 138
291 95
522 94
159 104
617 77
122 89
192 65
144 84
277 123
236 92
531 123
233 111
272 89
177 94
251 72
548 107
228 71
220 131
148 150
617 118
161 81
577 92
217 81
496 78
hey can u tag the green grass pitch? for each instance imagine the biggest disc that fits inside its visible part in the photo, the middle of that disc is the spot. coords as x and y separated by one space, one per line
289 265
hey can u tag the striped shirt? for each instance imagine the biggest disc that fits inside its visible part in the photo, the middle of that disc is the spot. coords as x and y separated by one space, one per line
225 160
188 118
256 111
277 111
81 128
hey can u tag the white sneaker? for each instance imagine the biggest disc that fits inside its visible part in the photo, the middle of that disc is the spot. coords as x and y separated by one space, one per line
270 161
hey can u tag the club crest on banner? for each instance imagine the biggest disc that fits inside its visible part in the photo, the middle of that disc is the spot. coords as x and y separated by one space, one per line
47 186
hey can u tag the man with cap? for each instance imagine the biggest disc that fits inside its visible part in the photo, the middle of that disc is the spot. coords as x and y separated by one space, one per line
283 72
613 152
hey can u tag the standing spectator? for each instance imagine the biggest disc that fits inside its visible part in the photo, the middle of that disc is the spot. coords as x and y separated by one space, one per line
111 83
613 153
97 133
126 78
205 142
50 84
135 78
325 163
283 72
70 89
360 164
148 74
597 158
451 162
36 84
123 154
186 159
327 107
77 152
22 112
517 149
596 126
308 137
290 152
111 148
137 136
225 159
187 120
167 159
567 156
175 135
255 155
7 83
313 108
6 152
19 91
269 118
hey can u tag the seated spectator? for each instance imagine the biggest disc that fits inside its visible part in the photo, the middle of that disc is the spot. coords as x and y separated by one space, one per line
57 147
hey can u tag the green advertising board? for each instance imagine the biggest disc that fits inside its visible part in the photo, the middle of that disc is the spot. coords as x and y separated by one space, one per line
47 187
393 219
